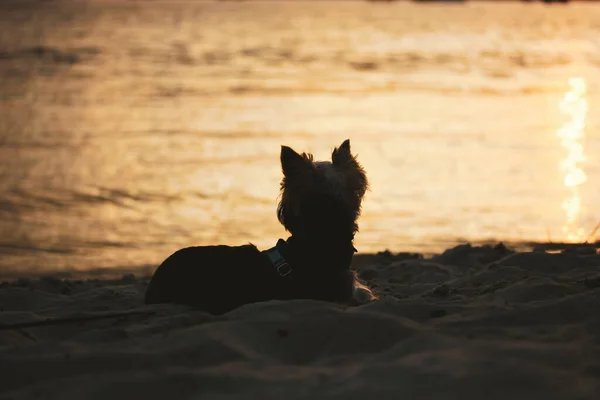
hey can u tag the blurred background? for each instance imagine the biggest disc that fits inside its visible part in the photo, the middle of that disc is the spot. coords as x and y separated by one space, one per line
131 129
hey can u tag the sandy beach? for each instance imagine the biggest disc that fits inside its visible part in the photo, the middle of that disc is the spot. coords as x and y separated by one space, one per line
131 129
474 321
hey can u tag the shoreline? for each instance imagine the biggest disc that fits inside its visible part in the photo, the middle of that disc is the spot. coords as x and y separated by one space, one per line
359 260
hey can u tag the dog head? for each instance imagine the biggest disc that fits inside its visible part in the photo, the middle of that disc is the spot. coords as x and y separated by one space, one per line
321 195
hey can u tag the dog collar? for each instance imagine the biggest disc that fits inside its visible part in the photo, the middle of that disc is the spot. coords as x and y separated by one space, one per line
282 267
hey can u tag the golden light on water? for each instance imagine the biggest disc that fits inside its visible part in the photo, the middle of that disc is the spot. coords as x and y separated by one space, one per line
574 104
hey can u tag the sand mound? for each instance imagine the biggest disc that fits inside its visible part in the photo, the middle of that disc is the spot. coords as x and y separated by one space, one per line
472 322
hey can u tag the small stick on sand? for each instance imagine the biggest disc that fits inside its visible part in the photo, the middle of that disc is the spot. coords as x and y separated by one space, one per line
71 320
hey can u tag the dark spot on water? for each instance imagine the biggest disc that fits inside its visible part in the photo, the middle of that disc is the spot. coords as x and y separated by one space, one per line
437 313
240 89
212 58
252 52
364 65
53 54
286 54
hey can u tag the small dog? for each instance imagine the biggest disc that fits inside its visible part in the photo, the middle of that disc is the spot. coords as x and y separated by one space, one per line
320 204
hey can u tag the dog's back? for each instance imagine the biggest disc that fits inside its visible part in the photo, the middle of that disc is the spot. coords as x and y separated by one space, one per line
212 278
218 279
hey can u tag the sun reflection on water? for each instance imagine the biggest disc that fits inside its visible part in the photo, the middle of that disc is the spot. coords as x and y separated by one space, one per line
574 104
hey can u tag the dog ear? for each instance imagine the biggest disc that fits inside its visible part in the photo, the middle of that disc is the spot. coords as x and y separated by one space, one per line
293 163
342 157
345 145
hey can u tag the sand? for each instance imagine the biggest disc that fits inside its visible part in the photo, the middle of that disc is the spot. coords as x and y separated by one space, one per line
472 323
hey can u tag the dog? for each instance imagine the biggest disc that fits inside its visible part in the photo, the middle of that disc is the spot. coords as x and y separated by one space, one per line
319 206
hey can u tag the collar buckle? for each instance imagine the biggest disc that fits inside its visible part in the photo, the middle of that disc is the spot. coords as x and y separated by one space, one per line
284 270
282 267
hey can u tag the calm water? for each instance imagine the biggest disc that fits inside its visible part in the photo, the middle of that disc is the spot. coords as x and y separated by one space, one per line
130 130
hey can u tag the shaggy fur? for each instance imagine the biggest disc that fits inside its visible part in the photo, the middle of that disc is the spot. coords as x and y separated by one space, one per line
320 204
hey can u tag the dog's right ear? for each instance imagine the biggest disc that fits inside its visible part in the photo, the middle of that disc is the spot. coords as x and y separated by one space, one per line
292 163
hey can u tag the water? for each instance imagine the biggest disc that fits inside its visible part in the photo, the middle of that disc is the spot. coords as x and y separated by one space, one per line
129 130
